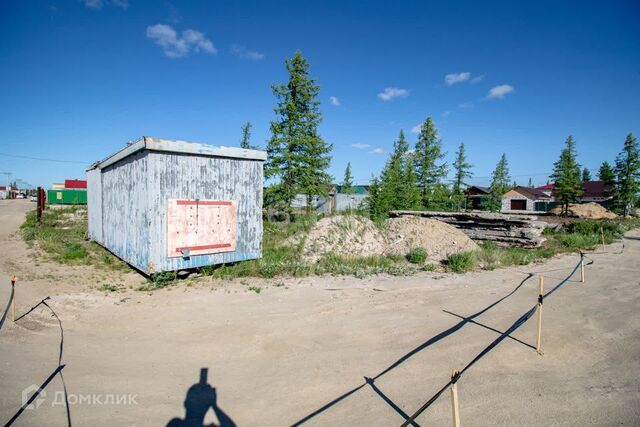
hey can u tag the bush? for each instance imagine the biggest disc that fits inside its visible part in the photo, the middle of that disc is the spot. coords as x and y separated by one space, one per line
417 256
460 262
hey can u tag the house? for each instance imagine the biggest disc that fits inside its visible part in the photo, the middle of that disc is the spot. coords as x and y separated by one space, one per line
163 205
475 196
525 199
592 191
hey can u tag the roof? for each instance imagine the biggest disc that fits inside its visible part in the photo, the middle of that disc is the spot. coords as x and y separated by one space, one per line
546 187
357 189
596 189
186 147
535 192
480 189
590 188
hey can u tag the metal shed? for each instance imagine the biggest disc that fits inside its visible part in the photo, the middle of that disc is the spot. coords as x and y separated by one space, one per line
164 205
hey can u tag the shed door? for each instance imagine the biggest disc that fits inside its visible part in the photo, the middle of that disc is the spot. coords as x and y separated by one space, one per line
518 205
200 227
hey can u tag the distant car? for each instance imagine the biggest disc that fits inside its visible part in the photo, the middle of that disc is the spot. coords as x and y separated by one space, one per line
33 198
20 196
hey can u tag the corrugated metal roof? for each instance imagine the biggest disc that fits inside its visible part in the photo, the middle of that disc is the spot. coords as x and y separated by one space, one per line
171 146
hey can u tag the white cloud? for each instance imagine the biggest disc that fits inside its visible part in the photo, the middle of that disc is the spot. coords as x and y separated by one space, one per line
175 46
417 128
467 104
244 53
98 4
377 151
453 78
498 92
476 79
446 113
358 145
334 101
393 92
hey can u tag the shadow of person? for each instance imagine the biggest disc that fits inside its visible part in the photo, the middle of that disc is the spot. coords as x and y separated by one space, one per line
200 397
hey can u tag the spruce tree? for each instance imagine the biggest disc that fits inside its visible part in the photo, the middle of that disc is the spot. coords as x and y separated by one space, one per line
530 183
297 156
463 170
374 204
586 175
628 174
499 185
566 175
245 142
398 189
428 156
347 182
606 173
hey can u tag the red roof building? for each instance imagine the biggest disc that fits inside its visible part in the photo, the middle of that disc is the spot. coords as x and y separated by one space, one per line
75 184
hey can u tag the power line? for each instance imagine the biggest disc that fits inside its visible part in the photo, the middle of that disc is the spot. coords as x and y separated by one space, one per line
45 159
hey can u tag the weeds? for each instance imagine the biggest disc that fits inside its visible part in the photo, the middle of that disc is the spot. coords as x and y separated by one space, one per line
111 287
417 256
460 262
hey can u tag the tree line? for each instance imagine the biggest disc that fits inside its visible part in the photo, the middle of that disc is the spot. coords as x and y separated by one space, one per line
412 179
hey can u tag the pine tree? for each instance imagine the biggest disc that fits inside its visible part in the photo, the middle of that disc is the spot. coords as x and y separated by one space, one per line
463 170
606 173
412 198
586 175
245 142
530 183
297 156
397 185
376 210
347 182
428 153
566 175
628 174
499 185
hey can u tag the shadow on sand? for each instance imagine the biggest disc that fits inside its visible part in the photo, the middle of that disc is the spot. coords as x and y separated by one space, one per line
200 397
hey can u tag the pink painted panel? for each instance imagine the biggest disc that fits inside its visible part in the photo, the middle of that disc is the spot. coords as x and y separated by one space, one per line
202 226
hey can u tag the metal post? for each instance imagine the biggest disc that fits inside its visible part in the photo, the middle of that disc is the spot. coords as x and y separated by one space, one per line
13 300
540 296
581 267
455 409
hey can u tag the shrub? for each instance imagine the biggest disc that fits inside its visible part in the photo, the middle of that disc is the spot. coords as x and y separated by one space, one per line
417 256
73 251
460 262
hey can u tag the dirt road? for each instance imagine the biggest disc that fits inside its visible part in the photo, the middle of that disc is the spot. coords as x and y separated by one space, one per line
277 356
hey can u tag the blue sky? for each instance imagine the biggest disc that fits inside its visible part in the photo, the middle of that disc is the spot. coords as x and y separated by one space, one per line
81 78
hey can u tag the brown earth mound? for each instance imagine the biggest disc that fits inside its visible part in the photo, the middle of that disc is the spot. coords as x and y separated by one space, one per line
590 210
348 235
438 238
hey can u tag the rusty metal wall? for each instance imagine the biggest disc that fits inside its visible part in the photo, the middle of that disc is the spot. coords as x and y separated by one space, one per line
186 176
125 213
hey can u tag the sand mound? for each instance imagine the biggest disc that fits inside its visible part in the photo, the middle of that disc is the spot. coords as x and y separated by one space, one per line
590 210
344 235
438 238
348 235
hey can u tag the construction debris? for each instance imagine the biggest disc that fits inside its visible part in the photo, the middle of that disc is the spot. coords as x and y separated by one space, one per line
505 230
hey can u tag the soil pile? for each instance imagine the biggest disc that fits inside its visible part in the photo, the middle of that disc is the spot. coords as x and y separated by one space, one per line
348 235
438 238
344 235
590 210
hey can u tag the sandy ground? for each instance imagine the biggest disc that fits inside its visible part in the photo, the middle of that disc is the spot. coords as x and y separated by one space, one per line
278 356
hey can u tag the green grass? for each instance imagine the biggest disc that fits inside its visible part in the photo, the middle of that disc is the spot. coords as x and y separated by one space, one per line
460 262
111 287
417 256
61 237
